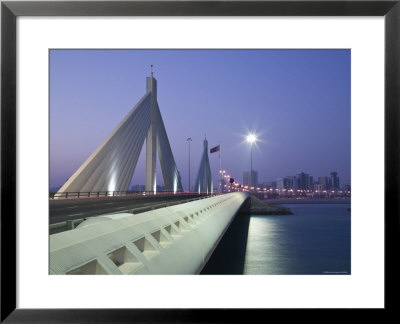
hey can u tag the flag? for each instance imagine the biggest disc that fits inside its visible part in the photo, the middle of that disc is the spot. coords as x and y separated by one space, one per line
214 149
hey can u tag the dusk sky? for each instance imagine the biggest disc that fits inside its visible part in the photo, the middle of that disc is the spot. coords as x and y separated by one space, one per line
296 101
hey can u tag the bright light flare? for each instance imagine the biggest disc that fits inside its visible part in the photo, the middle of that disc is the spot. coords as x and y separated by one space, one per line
251 138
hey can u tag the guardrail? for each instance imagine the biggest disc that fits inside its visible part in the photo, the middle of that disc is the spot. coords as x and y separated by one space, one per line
85 194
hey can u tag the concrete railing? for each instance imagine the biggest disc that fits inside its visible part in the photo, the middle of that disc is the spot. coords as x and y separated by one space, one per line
102 194
172 240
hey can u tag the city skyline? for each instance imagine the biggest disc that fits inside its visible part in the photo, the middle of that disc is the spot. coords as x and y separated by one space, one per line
296 101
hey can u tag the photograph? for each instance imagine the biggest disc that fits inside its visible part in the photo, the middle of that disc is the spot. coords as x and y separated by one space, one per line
199 161
235 158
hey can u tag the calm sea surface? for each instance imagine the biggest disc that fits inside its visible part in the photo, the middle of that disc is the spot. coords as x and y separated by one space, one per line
315 240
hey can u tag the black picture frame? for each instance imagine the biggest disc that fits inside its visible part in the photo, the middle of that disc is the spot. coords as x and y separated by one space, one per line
10 10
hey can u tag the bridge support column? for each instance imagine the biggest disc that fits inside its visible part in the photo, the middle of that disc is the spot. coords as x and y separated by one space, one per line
151 139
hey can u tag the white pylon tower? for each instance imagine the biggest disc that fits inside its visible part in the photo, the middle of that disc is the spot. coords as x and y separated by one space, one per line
204 180
111 165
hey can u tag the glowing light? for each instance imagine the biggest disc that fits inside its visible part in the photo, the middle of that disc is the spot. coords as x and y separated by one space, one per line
112 183
251 138
175 184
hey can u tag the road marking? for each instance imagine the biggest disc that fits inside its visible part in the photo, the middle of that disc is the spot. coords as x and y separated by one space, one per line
108 203
73 207
75 214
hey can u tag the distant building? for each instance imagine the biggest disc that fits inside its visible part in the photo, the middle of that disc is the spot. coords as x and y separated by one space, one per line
251 182
281 184
285 184
334 181
324 183
293 183
270 185
305 181
317 187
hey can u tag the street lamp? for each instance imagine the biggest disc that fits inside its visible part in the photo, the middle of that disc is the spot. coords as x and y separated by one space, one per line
189 140
251 138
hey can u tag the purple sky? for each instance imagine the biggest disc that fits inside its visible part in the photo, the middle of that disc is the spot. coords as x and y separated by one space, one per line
296 101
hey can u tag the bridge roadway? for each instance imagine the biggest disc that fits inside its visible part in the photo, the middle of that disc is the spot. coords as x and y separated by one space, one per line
178 239
61 210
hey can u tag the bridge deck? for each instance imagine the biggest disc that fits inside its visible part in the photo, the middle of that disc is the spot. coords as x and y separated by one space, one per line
63 210
173 240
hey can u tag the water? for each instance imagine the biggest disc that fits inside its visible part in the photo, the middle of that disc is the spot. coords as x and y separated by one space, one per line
315 240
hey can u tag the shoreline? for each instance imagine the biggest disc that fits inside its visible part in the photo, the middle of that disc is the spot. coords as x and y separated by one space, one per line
256 206
307 201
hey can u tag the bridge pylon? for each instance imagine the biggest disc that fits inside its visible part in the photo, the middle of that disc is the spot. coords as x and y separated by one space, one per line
204 180
111 166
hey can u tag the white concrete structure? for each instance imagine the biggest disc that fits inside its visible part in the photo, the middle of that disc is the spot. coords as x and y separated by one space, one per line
171 240
204 180
111 166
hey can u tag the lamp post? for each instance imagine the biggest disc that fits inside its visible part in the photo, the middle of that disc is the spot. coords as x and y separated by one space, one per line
189 140
251 138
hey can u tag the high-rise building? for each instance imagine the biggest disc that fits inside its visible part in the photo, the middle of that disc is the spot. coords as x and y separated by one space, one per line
334 181
286 184
324 183
282 184
305 181
251 181
293 182
317 187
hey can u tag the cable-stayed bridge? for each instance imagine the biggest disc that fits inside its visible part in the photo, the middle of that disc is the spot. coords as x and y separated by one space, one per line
118 233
